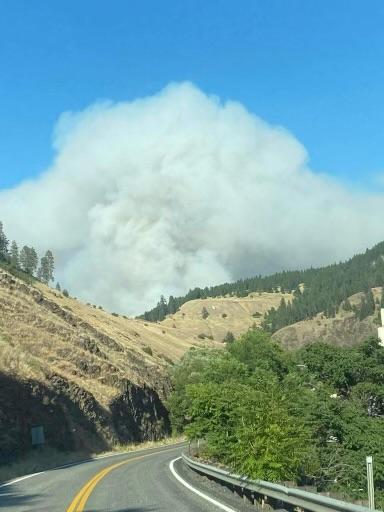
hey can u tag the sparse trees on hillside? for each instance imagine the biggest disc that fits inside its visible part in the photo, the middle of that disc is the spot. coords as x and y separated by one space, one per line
26 260
325 289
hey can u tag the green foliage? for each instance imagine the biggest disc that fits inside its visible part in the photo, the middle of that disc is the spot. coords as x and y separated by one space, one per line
28 260
258 352
65 293
229 337
325 289
204 313
148 350
14 255
3 244
311 415
45 272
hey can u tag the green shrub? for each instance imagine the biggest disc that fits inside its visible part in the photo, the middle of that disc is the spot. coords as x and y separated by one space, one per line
148 350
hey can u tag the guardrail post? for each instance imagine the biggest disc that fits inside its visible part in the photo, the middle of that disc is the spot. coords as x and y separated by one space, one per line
371 488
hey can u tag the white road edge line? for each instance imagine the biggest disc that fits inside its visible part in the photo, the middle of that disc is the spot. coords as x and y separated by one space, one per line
21 478
77 463
196 491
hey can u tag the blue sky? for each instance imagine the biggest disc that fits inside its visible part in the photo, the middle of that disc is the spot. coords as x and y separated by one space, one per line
315 67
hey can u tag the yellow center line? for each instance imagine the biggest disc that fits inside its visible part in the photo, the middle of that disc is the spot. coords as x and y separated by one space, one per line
81 498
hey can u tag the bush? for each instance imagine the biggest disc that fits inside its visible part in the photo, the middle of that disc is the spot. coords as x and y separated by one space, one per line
148 350
229 337
204 313
65 293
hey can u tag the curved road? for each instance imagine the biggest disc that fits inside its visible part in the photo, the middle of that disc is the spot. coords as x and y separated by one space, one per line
138 481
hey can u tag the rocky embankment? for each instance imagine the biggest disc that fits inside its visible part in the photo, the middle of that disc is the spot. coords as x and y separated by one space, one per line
87 385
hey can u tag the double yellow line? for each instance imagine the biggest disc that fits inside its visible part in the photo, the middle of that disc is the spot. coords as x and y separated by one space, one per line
81 498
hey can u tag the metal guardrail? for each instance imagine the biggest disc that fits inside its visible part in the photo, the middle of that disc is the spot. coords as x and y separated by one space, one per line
270 492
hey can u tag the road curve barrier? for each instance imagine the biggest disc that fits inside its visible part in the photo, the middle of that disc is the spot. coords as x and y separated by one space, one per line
269 496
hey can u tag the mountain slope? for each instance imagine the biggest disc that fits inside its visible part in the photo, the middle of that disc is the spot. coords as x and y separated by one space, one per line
315 290
343 329
92 378
81 373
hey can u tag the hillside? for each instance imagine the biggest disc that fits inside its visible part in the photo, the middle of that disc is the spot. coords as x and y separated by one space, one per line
315 290
90 378
93 378
343 329
223 315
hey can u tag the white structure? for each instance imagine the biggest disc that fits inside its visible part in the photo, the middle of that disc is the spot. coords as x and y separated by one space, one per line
380 330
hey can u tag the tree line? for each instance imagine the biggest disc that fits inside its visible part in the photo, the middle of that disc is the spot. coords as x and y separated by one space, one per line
309 416
26 259
315 290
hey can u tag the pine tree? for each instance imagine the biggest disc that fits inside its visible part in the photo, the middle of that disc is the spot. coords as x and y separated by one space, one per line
172 308
43 272
162 309
3 243
14 255
58 287
51 264
229 337
28 259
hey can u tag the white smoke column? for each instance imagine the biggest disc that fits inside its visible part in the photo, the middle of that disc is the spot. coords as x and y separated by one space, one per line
179 190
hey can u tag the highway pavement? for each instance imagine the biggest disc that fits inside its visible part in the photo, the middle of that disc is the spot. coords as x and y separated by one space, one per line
140 481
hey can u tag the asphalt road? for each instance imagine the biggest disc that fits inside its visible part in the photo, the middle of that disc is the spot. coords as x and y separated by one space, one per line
134 482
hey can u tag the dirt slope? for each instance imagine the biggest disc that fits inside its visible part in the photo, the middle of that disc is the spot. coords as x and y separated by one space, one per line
344 329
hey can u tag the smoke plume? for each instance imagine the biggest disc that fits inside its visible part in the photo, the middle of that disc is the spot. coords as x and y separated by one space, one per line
178 190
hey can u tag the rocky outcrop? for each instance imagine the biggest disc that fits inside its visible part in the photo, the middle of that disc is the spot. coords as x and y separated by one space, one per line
139 414
88 385
71 417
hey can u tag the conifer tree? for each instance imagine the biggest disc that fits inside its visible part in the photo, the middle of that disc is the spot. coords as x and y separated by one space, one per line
172 307
51 264
229 337
162 309
58 287
14 255
43 272
3 243
28 259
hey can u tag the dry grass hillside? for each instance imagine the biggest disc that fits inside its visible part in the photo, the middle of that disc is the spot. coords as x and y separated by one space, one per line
89 378
92 378
225 314
344 329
